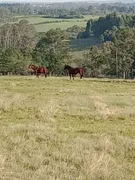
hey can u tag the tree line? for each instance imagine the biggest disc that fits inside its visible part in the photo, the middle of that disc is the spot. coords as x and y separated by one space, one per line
8 11
20 46
114 58
97 27
6 16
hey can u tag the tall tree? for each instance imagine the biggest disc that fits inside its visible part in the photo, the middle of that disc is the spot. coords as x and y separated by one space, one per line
93 60
52 49
18 35
16 45
121 50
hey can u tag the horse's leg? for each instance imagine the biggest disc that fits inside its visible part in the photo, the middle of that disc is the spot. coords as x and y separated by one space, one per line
73 76
45 75
70 75
37 74
81 76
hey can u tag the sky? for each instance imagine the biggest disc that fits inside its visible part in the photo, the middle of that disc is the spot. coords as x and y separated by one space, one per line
65 1
52 0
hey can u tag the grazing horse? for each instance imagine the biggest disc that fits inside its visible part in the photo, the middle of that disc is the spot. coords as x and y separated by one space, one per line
39 70
73 71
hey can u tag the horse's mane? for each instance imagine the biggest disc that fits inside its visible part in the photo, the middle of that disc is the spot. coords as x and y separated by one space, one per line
33 65
67 66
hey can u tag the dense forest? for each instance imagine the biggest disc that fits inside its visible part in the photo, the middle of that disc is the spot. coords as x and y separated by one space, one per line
21 45
98 27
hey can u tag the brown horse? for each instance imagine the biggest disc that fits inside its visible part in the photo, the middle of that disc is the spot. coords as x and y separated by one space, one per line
73 71
39 70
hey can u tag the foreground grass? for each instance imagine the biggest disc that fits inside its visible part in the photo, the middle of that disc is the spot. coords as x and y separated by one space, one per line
59 129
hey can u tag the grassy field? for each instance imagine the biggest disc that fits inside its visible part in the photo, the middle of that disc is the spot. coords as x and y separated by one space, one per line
62 25
55 128
38 19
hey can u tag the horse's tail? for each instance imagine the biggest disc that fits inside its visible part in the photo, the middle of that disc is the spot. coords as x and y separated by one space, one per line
47 70
81 72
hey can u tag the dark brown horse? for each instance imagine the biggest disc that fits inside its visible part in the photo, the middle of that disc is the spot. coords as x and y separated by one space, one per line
73 71
39 70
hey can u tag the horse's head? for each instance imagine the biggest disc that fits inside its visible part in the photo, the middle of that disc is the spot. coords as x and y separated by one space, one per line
29 67
67 67
33 67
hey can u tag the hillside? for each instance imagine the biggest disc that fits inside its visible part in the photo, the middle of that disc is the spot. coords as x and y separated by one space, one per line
59 129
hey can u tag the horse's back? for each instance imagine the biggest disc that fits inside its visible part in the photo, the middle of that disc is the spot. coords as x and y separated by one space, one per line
42 70
76 70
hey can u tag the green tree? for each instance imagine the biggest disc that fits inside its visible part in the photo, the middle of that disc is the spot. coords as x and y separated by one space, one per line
121 51
4 62
18 35
93 61
52 50
13 60
17 42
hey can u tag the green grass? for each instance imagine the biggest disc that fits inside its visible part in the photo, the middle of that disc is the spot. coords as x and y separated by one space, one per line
55 128
62 25
38 19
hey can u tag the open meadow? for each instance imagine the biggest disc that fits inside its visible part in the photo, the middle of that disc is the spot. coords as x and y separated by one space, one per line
43 24
62 25
55 128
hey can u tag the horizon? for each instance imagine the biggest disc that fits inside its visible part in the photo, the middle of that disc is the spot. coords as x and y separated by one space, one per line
63 1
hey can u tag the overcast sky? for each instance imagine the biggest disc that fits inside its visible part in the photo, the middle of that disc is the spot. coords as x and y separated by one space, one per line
65 1
51 0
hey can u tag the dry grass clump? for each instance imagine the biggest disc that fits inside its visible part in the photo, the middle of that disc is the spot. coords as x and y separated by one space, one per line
8 101
48 110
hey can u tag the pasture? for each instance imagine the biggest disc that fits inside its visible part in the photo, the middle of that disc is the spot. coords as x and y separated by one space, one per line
61 25
52 24
55 128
